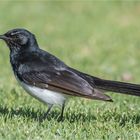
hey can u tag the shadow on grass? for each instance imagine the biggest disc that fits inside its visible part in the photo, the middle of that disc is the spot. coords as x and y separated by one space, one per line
30 113
23 112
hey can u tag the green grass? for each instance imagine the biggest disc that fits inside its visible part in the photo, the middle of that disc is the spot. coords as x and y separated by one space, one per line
101 38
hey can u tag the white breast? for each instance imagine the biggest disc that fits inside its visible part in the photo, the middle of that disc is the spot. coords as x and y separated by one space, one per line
44 95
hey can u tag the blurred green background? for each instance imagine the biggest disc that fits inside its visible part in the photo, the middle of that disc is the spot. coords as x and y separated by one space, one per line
97 37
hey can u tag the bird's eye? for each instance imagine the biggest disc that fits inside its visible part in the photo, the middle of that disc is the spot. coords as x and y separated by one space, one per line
18 37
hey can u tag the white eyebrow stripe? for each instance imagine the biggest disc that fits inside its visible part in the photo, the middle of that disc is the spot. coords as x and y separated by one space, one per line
15 33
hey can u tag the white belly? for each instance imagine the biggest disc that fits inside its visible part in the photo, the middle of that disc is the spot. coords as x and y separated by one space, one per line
44 95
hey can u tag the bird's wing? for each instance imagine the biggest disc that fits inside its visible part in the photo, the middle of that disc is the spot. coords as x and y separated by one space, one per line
65 81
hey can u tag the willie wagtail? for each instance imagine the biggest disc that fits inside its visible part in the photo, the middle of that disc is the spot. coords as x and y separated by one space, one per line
49 79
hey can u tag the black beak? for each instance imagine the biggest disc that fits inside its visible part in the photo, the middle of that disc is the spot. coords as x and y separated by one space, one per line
3 37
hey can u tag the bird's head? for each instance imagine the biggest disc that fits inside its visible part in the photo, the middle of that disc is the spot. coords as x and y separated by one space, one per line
19 39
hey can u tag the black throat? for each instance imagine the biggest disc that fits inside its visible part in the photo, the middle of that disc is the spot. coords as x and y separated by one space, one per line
18 55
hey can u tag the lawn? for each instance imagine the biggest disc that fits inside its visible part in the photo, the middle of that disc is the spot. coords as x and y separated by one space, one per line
101 38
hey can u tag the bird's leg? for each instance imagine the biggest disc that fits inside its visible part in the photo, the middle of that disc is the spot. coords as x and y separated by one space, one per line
62 112
46 114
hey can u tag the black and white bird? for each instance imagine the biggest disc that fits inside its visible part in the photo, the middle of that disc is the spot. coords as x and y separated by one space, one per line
50 80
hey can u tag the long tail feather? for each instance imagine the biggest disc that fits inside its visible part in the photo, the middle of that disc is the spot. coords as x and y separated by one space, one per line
109 85
119 87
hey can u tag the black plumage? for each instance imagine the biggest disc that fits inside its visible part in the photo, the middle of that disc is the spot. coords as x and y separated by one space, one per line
38 68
